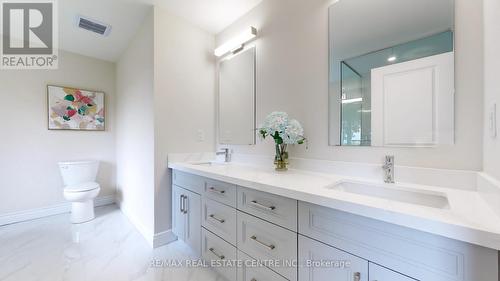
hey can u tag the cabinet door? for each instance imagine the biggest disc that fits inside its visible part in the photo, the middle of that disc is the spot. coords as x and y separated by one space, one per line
178 218
320 262
378 273
192 213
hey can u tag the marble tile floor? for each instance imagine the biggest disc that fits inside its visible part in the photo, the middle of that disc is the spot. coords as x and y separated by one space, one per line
108 248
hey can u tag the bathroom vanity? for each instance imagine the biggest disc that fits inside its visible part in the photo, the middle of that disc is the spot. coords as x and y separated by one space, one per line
394 89
310 226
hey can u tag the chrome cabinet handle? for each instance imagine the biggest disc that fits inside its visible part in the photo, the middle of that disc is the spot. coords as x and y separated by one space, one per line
181 203
185 204
253 279
357 276
255 203
215 253
270 247
217 219
213 189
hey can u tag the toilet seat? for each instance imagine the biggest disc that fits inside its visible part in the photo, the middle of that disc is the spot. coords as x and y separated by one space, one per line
81 187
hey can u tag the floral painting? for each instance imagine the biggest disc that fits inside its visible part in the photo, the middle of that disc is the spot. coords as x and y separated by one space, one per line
75 109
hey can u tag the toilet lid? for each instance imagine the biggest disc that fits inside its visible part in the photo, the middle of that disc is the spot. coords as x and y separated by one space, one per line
86 186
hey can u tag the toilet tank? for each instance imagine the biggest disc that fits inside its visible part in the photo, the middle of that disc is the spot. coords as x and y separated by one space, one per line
78 172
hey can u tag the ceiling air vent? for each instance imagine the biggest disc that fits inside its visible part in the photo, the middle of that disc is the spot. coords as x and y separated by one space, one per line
93 25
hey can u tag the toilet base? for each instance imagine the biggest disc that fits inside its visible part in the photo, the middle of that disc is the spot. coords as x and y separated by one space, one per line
82 211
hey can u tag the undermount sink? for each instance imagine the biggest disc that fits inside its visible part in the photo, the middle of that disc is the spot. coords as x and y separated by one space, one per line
395 193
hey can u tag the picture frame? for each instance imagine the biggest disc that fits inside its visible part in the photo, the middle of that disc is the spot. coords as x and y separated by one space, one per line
77 109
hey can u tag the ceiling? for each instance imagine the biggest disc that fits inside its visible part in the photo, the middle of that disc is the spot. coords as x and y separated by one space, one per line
211 15
126 16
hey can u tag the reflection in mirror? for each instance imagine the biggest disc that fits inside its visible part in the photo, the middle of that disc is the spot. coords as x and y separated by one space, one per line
237 98
391 38
352 106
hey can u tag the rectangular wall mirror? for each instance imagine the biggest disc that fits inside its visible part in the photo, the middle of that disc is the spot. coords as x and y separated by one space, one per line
391 80
237 98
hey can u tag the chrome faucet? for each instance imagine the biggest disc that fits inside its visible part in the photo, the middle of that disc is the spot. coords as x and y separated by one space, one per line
226 153
389 169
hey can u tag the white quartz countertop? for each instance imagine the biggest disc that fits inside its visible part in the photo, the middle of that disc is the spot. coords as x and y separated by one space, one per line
469 218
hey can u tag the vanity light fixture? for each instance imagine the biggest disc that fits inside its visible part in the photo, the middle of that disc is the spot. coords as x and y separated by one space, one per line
236 42
392 59
352 100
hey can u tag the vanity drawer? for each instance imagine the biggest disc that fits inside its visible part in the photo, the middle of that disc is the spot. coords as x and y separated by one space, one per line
265 241
251 270
220 191
342 266
188 181
276 209
378 273
219 219
414 253
217 253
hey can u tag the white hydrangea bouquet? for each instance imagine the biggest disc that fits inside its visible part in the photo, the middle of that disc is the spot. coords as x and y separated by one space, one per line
284 131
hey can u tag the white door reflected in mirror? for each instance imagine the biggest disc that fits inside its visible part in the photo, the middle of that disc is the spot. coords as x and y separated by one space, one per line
412 102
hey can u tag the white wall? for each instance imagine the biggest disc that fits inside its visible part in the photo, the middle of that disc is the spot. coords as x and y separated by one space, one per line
135 129
184 99
292 75
29 152
491 88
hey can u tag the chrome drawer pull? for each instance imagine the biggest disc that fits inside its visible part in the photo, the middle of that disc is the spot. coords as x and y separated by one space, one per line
217 219
215 253
213 189
255 203
357 276
253 279
271 247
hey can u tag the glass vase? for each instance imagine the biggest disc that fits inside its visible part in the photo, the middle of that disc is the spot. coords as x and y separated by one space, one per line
281 157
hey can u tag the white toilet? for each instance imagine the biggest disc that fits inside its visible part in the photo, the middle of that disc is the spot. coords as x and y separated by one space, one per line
80 188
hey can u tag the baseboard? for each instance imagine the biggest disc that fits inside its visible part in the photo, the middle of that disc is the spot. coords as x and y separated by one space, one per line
163 238
153 239
146 232
104 200
55 209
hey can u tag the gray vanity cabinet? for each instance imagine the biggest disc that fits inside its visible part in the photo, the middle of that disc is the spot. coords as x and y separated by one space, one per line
320 262
220 221
186 219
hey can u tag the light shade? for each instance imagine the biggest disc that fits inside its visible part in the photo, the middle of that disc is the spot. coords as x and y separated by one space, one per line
236 42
